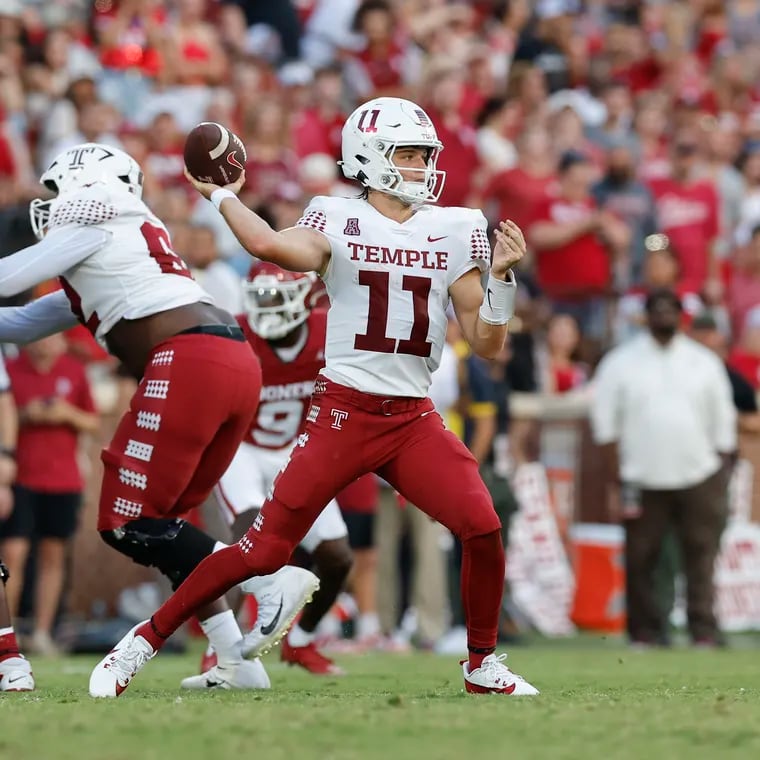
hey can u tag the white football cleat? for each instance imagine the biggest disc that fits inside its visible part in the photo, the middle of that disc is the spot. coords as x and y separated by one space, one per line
114 672
280 597
492 677
247 674
16 674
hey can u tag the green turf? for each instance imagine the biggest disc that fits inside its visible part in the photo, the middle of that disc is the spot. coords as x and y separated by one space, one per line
598 701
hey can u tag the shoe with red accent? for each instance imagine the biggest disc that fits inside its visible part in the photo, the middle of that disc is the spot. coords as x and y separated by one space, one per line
116 670
208 660
493 677
16 674
311 659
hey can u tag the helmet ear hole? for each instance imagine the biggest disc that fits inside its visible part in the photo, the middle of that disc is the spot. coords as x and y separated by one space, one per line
51 185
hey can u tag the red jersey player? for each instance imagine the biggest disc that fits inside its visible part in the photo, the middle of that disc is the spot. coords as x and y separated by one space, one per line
289 339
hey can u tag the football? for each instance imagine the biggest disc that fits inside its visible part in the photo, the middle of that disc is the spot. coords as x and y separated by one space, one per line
214 154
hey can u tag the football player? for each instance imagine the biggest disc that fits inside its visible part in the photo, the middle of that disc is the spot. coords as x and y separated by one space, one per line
198 392
391 262
288 336
15 670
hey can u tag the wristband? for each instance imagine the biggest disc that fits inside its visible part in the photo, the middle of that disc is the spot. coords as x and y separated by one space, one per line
498 305
219 195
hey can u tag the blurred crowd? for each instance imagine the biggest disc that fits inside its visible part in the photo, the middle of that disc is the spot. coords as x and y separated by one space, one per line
623 136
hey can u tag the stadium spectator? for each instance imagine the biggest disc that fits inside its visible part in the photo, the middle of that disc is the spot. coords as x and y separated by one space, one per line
215 276
745 355
53 398
705 330
743 282
662 411
575 244
621 193
688 212
558 366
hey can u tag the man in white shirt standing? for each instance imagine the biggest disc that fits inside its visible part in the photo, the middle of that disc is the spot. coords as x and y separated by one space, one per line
663 412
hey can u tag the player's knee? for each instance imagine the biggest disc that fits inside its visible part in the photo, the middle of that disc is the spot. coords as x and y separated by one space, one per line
174 547
480 520
334 558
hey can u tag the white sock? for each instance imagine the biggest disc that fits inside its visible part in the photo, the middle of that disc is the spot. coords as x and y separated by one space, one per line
367 625
299 638
6 631
223 634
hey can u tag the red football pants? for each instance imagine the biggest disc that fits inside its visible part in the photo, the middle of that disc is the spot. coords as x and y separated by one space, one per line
195 403
349 434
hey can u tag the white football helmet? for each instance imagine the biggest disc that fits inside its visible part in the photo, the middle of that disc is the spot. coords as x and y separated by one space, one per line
276 301
82 165
372 133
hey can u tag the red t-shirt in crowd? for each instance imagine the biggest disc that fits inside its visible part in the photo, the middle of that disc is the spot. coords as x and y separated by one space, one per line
47 454
519 194
314 134
459 160
578 269
747 365
690 216
742 294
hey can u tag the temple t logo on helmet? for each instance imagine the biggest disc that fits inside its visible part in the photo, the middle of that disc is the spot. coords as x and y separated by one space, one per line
276 301
82 165
371 135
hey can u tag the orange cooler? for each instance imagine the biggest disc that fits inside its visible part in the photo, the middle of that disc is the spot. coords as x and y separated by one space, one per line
599 566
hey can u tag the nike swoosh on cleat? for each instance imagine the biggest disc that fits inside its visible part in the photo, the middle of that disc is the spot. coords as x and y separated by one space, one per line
267 629
211 684
17 678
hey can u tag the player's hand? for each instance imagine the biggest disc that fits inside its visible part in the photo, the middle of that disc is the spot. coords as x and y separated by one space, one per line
206 188
509 249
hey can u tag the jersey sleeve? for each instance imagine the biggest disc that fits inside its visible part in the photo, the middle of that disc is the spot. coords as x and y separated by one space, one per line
315 216
37 319
90 207
55 254
477 248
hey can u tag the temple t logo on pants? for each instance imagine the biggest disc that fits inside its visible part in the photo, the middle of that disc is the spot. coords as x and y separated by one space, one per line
338 416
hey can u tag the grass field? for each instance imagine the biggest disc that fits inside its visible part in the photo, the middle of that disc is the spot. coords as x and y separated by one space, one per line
598 701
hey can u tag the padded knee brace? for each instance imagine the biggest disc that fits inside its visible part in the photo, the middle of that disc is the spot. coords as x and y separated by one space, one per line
174 547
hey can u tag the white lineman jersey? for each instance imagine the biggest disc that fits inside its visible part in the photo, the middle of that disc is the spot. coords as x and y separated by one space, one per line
249 478
135 274
389 289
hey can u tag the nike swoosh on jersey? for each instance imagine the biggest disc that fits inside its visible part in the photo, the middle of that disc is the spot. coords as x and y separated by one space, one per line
436 239
267 629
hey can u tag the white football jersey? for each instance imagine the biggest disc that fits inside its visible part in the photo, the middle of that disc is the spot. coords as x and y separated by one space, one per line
389 289
135 274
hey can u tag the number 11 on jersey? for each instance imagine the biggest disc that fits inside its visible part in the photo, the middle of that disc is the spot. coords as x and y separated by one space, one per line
375 338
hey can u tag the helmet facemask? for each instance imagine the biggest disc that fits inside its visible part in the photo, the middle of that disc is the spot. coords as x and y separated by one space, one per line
276 307
426 190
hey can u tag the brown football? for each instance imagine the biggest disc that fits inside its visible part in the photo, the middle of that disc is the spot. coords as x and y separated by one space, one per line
214 154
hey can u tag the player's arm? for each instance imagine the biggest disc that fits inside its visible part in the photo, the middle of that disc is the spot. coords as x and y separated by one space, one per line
483 316
299 249
61 249
37 319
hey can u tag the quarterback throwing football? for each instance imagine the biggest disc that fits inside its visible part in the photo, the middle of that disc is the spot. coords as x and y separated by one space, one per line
391 263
